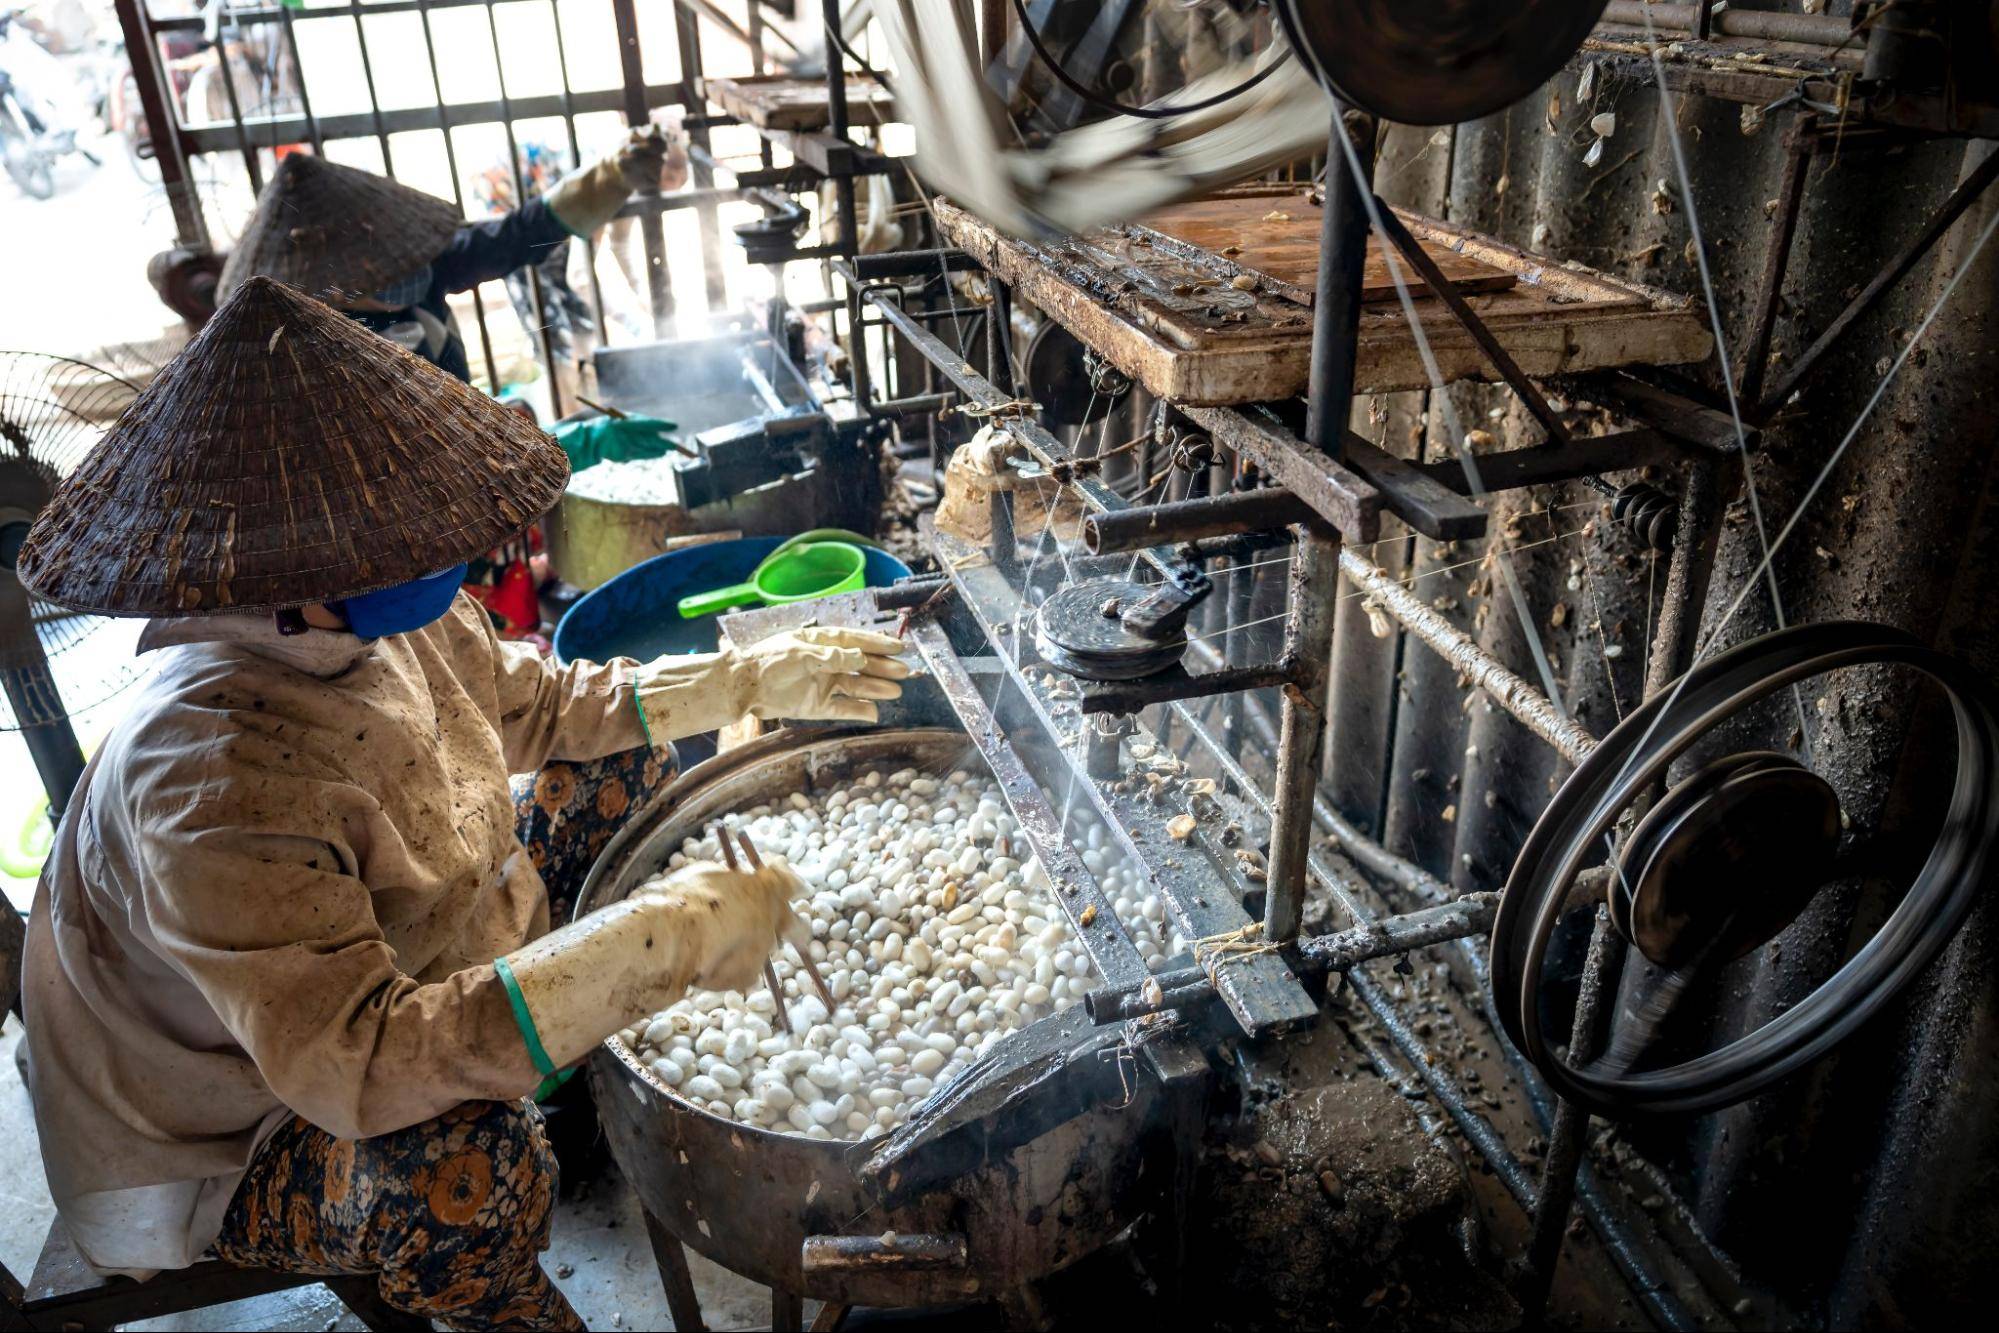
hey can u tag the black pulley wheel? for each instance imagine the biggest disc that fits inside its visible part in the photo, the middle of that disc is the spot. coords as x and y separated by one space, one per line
1436 62
1636 755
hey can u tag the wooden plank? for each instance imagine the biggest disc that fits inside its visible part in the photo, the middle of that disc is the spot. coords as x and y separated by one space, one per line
1275 238
1222 347
779 102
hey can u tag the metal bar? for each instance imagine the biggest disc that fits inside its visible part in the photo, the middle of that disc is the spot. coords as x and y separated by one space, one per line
1507 689
1229 514
374 101
540 332
252 166
1961 198
1446 291
1577 458
687 38
1338 952
843 195
1683 20
1077 893
162 123
304 98
402 120
1341 496
1570 1134
576 160
1308 632
1777 259
912 263
631 63
1130 696
999 362
457 188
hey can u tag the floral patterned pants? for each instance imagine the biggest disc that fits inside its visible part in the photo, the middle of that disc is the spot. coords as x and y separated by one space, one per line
453 1213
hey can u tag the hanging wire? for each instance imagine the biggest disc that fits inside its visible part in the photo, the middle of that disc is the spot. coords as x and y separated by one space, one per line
1102 103
1685 178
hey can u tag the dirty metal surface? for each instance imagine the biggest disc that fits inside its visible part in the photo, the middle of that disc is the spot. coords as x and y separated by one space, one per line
1271 233
1260 992
1077 893
778 102
1181 328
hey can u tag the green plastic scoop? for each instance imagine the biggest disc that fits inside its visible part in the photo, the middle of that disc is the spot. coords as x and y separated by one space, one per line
794 574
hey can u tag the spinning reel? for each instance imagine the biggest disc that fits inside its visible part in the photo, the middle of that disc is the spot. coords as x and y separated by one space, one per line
1436 62
1115 629
1723 862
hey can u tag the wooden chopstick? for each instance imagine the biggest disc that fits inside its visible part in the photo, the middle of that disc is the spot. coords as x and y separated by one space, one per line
805 959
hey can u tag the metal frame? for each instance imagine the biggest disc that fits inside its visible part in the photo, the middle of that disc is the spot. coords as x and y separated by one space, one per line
179 144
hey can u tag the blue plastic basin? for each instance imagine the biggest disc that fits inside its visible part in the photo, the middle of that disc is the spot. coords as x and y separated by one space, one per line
635 614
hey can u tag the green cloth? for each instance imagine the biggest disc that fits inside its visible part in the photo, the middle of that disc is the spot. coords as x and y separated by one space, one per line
613 440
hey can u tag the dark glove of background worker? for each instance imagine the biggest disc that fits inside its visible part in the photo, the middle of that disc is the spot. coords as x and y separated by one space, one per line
586 199
820 674
613 440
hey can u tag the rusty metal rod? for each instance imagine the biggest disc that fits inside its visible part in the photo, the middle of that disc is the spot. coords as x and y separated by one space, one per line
1506 689
1681 21
1962 198
1446 291
1337 952
1231 514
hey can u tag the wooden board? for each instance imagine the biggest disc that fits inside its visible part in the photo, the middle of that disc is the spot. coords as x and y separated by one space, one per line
1274 236
777 102
1168 316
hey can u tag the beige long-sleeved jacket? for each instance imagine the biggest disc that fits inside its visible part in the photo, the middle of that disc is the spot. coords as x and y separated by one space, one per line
280 888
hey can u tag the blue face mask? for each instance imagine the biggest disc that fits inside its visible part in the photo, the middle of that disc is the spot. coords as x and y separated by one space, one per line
404 607
405 292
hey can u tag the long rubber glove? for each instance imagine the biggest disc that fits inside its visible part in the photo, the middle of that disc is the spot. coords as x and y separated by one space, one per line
704 926
821 674
613 439
586 199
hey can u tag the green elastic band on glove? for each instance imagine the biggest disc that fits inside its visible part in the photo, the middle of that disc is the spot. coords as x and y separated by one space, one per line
551 1077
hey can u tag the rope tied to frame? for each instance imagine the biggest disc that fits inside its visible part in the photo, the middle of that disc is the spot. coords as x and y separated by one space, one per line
1214 952
1134 1033
1011 409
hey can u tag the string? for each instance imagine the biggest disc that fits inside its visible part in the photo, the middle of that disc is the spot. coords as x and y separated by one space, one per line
1454 427
1721 348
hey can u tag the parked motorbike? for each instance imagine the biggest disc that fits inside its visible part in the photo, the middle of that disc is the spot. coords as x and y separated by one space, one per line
33 136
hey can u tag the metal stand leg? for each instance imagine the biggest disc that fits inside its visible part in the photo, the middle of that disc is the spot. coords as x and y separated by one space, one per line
361 1293
787 1311
681 1301
1315 565
1570 1133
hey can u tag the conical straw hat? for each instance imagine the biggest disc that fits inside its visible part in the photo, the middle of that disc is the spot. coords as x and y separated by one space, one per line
325 228
287 456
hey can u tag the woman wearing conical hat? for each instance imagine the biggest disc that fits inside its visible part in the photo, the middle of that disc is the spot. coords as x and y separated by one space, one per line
291 975
389 256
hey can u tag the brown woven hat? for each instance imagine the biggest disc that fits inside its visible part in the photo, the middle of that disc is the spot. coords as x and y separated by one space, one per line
287 456
325 228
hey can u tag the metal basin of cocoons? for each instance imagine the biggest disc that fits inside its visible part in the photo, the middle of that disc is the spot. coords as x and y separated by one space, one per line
790 1211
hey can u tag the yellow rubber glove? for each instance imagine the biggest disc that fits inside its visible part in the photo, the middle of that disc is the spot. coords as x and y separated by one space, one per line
586 199
704 926
822 674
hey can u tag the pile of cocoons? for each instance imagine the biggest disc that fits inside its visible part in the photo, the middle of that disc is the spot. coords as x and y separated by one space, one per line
932 935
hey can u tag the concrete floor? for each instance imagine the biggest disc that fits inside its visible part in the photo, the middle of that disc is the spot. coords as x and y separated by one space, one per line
599 1256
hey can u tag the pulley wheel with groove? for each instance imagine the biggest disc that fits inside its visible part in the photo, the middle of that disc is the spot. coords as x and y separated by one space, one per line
1725 860
1077 630
1636 755
1436 62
